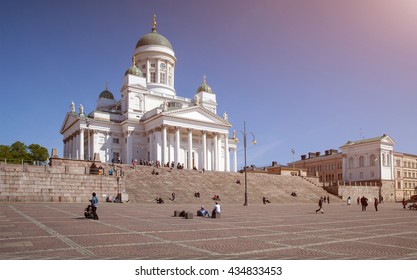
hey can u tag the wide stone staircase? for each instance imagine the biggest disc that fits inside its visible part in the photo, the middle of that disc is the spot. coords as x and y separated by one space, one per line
143 186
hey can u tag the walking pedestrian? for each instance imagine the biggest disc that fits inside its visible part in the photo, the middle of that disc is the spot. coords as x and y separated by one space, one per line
320 206
376 204
94 204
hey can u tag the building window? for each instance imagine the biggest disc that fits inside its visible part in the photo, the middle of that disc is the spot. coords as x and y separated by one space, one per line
115 140
388 160
361 175
361 161
153 77
384 163
372 174
162 78
399 185
372 160
351 162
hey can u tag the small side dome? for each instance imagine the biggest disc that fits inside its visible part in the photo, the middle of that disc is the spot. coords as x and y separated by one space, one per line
204 87
106 94
134 70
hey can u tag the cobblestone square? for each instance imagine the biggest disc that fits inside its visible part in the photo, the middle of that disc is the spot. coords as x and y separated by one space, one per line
151 232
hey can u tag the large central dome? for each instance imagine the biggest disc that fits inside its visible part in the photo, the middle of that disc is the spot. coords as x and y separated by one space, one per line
153 38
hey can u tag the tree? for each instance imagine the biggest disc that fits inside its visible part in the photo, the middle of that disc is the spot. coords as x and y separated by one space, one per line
4 152
38 153
18 152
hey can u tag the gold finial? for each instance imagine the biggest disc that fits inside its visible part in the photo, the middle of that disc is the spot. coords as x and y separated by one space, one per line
106 86
154 23
204 79
133 61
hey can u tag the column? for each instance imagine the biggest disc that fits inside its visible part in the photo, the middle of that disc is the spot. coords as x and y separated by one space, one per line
204 150
107 145
70 152
226 152
148 71
235 159
177 145
190 149
151 148
82 143
216 152
77 145
164 145
128 147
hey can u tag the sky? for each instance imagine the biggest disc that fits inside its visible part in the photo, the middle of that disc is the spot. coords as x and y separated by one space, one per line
307 75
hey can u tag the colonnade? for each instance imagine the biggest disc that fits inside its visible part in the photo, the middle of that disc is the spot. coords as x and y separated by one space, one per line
190 148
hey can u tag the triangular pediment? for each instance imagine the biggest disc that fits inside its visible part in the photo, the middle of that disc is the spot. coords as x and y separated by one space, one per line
69 121
198 114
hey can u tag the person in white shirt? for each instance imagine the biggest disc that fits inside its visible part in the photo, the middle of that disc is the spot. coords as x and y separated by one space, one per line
216 210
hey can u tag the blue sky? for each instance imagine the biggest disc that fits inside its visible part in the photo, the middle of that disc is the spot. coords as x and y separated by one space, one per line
307 75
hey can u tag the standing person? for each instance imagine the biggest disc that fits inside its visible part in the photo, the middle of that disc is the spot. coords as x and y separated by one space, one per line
349 201
320 206
364 203
358 200
216 211
376 204
328 199
404 203
94 204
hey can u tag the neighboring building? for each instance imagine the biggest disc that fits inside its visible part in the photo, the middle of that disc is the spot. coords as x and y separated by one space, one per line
366 162
150 122
405 171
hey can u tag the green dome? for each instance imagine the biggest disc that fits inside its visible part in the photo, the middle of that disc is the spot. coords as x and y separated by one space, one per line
154 38
204 87
134 70
106 94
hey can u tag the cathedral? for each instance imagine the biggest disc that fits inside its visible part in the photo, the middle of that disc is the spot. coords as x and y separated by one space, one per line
150 122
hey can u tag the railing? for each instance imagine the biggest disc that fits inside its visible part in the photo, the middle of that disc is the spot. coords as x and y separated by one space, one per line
22 162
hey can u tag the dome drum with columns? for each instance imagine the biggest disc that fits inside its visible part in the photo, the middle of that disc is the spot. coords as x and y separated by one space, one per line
150 122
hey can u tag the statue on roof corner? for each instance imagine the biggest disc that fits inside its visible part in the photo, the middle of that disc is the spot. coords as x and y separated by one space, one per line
81 109
225 116
72 107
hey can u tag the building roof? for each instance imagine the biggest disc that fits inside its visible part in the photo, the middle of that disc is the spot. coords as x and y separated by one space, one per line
154 38
369 140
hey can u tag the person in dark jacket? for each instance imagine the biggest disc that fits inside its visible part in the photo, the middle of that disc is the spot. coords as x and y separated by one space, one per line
376 203
320 206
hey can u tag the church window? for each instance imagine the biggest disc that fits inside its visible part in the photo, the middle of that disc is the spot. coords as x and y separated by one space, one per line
384 163
153 77
162 78
143 66
152 65
115 140
388 160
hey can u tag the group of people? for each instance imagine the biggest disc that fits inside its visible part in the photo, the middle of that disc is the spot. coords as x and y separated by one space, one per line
214 213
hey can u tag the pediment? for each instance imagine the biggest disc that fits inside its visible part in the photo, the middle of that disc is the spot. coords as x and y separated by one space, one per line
69 121
197 113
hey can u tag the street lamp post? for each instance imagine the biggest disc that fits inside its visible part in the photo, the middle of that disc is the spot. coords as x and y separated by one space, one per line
293 158
244 153
88 138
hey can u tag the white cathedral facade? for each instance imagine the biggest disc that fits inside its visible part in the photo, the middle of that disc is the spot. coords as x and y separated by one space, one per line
150 122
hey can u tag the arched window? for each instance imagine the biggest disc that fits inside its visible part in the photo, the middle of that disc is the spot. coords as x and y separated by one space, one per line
388 160
351 162
372 160
384 163
361 161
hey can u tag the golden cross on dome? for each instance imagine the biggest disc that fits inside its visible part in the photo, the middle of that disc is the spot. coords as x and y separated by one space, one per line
154 23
